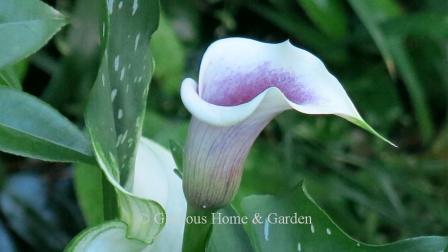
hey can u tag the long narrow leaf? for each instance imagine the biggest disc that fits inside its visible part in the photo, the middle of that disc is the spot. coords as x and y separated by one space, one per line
31 128
25 26
373 14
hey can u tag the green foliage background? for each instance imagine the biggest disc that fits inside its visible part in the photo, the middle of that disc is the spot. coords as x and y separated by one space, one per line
391 57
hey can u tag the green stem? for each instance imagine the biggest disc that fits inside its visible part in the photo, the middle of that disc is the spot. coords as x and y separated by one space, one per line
110 210
198 227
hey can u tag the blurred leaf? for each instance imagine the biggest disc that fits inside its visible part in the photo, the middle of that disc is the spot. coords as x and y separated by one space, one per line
31 128
292 24
169 56
88 185
6 242
376 94
320 233
21 69
328 15
414 87
25 202
9 78
109 236
117 103
25 26
164 130
418 24
12 76
372 14
77 70
297 28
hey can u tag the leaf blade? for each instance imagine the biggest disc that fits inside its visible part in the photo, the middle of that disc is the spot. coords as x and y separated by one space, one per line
31 128
116 107
25 27
321 235
328 15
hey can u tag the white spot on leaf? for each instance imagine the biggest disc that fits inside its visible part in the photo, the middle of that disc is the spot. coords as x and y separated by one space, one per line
312 228
118 140
122 73
328 231
299 247
137 39
120 5
123 138
110 6
113 94
120 114
134 7
266 230
117 62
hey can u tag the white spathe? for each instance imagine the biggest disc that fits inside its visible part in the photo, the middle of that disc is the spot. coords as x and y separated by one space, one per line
243 84
155 179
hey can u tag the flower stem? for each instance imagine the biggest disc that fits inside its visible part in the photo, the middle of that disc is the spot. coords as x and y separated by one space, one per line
110 210
198 227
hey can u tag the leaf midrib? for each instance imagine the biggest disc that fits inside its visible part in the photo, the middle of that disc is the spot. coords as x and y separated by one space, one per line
31 21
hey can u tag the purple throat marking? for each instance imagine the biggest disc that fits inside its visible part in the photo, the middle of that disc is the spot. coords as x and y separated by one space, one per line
236 88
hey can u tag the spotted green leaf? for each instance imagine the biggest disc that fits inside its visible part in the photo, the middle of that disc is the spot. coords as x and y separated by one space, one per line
115 111
317 231
31 128
25 26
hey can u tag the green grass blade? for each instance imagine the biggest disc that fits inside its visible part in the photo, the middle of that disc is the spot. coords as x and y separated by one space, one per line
327 15
372 15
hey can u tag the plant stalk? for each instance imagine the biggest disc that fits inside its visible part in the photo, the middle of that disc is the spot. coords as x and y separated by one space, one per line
198 227
110 210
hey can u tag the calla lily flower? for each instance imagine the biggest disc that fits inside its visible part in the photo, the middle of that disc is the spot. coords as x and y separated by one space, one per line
243 85
154 179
